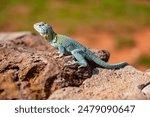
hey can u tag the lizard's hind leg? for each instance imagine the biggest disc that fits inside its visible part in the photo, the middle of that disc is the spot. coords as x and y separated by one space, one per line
79 55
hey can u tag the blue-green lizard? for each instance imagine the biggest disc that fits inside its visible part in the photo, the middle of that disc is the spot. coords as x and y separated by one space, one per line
67 45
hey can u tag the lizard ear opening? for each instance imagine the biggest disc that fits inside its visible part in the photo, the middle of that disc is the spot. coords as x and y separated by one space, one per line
49 26
48 30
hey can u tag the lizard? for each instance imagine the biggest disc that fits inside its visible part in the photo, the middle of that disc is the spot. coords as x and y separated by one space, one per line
68 46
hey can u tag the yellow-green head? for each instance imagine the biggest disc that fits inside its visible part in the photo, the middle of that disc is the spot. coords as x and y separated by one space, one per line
45 30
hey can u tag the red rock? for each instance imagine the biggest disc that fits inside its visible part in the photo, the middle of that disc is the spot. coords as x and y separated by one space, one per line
29 70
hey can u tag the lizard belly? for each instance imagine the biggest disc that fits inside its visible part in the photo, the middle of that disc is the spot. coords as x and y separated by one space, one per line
72 48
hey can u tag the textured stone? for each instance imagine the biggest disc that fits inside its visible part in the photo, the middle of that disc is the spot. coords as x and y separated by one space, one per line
29 69
146 90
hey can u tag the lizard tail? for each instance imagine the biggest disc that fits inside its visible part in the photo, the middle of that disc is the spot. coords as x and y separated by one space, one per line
103 64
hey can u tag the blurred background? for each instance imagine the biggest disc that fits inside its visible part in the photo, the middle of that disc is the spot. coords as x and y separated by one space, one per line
120 26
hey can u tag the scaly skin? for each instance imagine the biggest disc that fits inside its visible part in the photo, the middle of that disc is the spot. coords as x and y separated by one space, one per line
67 45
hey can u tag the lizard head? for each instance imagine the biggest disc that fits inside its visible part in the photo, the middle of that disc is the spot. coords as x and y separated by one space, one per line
44 29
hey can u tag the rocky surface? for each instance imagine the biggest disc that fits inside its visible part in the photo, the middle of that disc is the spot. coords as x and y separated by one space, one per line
30 69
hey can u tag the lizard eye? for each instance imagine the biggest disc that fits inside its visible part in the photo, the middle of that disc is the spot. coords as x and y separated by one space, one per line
41 24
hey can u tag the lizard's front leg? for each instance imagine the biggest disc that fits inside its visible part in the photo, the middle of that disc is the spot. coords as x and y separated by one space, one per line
61 49
77 53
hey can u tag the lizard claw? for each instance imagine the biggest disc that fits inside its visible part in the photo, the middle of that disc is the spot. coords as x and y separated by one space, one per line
82 66
58 56
71 63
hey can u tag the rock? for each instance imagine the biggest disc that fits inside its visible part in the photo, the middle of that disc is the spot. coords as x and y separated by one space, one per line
147 71
13 35
125 83
146 91
29 69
